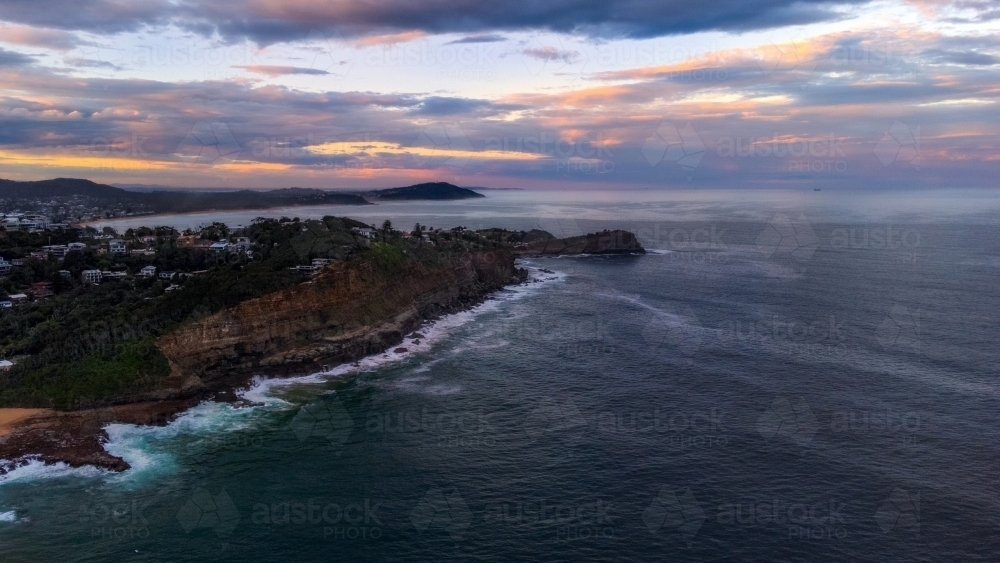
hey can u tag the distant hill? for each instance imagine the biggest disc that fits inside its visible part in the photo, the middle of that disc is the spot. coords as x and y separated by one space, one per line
60 187
429 190
174 201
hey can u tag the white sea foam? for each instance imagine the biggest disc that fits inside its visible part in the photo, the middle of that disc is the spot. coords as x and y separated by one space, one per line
35 469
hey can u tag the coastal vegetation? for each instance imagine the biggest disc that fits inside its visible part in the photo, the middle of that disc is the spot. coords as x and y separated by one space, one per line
90 343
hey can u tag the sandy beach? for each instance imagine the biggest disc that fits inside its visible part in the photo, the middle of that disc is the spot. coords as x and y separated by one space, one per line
10 417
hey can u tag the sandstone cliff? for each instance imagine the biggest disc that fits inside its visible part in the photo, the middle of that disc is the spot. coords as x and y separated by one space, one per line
350 310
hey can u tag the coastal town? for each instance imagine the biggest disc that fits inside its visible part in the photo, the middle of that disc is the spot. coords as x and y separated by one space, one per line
85 256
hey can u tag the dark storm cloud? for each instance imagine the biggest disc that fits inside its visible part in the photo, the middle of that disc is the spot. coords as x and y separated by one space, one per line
271 21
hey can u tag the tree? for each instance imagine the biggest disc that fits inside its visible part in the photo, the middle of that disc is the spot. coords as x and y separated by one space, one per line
387 228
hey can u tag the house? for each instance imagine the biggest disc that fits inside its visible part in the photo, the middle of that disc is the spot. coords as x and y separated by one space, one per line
113 276
320 262
219 246
18 298
39 254
6 365
91 276
148 271
242 244
167 275
366 232
57 250
147 240
65 274
4 267
17 262
77 246
144 252
6 304
305 269
116 246
41 289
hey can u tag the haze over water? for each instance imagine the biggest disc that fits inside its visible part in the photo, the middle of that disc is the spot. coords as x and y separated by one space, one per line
788 376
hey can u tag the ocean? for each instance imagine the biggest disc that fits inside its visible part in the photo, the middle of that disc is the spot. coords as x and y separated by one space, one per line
787 376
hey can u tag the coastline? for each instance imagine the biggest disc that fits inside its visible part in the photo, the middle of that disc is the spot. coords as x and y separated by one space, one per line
77 438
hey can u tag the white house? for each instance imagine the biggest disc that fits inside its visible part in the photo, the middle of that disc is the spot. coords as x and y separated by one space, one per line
219 246
78 246
366 232
91 276
148 271
116 246
6 365
168 275
4 267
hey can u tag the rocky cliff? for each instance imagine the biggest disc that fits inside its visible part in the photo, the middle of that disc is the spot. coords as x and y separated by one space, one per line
350 310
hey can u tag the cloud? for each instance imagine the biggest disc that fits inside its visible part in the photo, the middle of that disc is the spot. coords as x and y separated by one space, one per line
278 70
551 54
38 37
274 21
491 38
11 58
970 58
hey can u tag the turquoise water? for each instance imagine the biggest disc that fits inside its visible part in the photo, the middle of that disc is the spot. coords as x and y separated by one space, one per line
789 376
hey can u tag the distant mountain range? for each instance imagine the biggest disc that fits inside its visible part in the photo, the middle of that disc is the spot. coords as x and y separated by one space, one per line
185 201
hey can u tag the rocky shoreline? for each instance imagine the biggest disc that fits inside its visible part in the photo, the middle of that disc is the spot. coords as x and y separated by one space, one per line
346 313
203 362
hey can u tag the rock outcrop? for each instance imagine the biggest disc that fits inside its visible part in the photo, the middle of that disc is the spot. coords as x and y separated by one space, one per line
542 243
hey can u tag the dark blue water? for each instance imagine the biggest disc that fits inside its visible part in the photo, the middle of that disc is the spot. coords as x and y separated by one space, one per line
763 389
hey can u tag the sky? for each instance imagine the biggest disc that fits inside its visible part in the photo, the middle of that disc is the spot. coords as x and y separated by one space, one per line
563 94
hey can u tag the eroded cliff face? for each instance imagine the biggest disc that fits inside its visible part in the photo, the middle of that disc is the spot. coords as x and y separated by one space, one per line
348 311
